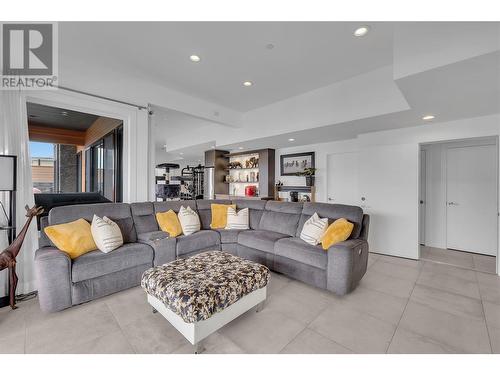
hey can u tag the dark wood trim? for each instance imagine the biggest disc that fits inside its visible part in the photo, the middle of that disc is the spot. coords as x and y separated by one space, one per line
41 133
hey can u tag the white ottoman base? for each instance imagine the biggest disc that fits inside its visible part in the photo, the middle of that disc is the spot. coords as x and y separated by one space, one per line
195 332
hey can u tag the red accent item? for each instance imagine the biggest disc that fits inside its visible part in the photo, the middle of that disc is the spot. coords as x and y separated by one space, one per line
250 191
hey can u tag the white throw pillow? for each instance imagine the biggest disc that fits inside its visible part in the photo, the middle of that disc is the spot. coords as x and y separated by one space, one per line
313 229
237 220
190 222
107 234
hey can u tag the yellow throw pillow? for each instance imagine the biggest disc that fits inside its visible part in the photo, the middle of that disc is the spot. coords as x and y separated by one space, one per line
338 231
219 215
74 238
169 222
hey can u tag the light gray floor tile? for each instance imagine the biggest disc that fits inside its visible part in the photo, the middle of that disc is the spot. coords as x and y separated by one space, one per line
372 258
396 270
12 322
129 305
153 334
276 282
13 344
353 329
448 302
463 334
113 343
213 344
310 342
400 261
408 342
447 256
265 332
387 284
450 279
489 286
303 310
58 332
492 312
380 305
484 263
495 339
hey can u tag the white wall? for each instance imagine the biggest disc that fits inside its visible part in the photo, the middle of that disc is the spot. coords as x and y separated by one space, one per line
388 173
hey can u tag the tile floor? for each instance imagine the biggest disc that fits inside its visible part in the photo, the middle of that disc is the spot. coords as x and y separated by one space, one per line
478 262
401 306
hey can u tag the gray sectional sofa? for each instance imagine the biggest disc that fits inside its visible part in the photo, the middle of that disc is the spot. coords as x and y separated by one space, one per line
273 240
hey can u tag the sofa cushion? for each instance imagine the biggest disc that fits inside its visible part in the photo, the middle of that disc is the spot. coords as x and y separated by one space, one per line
74 238
203 207
173 205
354 214
229 235
189 220
127 228
197 241
263 240
97 263
64 214
144 218
281 217
219 215
296 249
256 208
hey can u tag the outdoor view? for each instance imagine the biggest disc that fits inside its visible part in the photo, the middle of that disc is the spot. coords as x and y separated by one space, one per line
42 166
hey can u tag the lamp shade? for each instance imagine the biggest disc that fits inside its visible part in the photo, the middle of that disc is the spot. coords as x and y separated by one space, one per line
8 172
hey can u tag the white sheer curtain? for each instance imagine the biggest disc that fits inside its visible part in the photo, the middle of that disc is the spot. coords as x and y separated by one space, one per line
14 140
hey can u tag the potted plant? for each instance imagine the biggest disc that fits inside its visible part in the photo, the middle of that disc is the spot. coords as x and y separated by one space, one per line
309 175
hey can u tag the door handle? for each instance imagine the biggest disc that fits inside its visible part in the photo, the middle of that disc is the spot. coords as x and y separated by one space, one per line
452 204
330 198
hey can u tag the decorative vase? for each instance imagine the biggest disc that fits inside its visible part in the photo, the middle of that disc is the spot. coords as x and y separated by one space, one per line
309 180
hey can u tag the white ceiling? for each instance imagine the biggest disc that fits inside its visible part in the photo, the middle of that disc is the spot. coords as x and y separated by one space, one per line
318 84
306 55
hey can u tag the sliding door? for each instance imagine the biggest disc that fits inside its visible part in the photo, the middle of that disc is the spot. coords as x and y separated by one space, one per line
103 166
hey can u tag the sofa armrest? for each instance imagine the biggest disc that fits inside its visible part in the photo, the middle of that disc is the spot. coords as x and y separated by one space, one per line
163 246
347 263
53 275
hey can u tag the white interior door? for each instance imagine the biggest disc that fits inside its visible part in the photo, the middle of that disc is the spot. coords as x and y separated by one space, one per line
471 191
343 178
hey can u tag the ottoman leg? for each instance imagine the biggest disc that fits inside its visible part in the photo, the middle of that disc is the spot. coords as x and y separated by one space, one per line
198 348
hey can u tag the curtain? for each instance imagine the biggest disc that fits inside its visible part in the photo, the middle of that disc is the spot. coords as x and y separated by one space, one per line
14 140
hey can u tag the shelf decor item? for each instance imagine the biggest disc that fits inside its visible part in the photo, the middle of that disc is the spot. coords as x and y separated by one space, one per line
292 164
309 175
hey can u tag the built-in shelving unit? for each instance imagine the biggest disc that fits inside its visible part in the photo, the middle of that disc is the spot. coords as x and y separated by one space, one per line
310 191
261 176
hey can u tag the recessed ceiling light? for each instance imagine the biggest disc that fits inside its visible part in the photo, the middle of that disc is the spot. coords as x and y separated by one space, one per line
428 117
195 58
247 83
240 148
291 139
361 31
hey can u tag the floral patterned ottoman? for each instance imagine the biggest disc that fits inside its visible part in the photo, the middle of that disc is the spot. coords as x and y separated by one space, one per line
200 294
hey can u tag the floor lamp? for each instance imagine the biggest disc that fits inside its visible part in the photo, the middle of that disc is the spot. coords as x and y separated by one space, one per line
8 173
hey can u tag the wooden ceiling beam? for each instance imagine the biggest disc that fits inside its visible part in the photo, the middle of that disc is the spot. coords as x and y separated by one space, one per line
41 133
